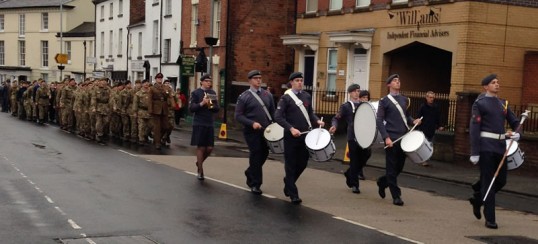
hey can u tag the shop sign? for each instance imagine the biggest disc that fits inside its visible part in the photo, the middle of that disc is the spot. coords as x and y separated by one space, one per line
416 17
416 34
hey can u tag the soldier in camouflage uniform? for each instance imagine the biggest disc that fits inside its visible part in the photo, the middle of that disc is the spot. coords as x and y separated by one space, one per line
133 113
28 102
78 104
115 116
67 99
43 96
35 86
172 103
92 86
100 106
126 102
59 89
13 98
140 106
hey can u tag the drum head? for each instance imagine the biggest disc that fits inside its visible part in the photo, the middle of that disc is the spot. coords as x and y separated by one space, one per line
364 124
318 139
412 141
512 148
273 132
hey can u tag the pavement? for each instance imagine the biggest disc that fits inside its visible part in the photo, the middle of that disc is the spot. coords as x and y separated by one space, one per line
517 182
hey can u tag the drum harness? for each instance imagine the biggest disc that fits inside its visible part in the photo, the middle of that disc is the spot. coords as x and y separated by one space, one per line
300 104
403 117
262 103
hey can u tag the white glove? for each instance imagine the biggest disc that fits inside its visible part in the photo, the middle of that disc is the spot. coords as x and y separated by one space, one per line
515 136
474 159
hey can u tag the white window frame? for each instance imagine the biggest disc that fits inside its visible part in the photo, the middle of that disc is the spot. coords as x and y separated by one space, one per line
22 53
68 50
140 44
2 23
335 5
102 51
311 6
194 25
120 41
363 3
44 54
167 50
216 20
2 53
332 70
102 12
111 11
22 25
155 43
111 43
168 7
44 21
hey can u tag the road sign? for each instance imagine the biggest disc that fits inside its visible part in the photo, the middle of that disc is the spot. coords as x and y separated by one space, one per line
187 66
61 58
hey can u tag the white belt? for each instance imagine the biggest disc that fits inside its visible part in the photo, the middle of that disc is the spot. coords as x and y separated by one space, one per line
492 135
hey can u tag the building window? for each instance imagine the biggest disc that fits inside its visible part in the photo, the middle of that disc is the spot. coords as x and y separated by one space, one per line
44 21
335 5
68 50
22 23
22 53
332 62
166 50
363 3
45 53
155 48
399 1
102 51
102 12
168 6
2 54
194 24
111 10
311 6
155 2
45 76
90 49
139 44
111 43
120 41
2 22
120 8
216 24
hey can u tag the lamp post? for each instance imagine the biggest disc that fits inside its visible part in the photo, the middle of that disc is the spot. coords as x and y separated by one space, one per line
61 67
84 63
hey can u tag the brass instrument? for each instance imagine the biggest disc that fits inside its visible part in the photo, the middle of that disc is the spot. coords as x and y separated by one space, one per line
210 105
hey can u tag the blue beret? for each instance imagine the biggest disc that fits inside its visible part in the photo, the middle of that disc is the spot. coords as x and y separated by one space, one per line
205 77
391 77
253 73
488 79
353 87
364 93
296 75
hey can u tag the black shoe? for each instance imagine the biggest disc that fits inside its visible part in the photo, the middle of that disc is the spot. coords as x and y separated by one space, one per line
398 201
491 225
355 189
296 200
476 207
381 190
256 190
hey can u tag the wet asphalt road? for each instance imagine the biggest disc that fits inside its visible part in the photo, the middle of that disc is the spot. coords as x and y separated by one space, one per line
56 187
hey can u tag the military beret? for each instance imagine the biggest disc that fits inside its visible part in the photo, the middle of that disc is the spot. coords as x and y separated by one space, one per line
159 75
295 75
392 77
205 77
353 87
145 81
138 81
364 93
253 73
127 82
488 79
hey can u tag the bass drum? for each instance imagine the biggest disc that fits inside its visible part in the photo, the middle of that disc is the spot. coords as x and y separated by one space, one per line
364 125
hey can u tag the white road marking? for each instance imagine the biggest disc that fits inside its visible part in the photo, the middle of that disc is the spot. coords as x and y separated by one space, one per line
31 182
376 229
49 199
128 153
23 175
87 239
60 210
38 189
73 224
229 184
17 169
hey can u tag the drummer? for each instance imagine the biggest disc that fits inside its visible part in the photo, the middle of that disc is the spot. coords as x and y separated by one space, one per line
255 117
290 116
357 155
390 121
488 145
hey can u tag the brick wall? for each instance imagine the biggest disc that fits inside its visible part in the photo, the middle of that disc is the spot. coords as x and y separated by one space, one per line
530 80
137 11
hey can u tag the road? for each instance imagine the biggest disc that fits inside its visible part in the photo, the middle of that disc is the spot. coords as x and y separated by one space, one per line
58 188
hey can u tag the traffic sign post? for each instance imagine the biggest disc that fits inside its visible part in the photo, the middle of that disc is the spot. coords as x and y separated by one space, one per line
61 58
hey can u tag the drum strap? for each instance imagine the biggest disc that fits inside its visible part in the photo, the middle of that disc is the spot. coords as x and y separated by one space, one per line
399 109
263 105
352 106
299 104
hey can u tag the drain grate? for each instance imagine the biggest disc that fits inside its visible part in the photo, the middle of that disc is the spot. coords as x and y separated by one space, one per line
504 239
109 240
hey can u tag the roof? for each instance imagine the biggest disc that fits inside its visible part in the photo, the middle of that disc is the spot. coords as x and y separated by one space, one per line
86 29
6 4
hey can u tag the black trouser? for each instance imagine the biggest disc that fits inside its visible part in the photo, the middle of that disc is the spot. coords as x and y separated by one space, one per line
295 161
394 163
357 160
488 163
177 116
257 156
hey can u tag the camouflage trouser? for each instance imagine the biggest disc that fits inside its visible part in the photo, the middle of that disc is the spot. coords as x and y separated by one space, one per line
93 122
126 125
59 116
28 108
101 124
68 118
78 118
20 111
34 110
43 109
134 127
84 122
144 128
14 105
168 132
115 124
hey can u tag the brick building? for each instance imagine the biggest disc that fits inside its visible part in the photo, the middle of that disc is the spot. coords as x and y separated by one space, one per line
248 38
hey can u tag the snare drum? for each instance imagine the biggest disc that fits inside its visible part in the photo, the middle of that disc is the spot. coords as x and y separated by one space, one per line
364 125
416 146
274 135
320 145
515 156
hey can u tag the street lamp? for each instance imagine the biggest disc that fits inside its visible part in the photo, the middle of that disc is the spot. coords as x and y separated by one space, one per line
61 37
84 63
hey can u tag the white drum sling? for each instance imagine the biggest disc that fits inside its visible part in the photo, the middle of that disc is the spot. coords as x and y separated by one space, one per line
320 145
274 135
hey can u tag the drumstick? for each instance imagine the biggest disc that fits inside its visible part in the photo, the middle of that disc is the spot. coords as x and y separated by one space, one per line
317 140
404 134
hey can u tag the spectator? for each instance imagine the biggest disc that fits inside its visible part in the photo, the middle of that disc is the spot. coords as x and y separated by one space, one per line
431 119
